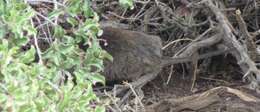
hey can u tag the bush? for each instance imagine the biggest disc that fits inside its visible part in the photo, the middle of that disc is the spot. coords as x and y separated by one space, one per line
36 79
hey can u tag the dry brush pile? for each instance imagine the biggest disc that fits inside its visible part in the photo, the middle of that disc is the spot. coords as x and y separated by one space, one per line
190 28
196 27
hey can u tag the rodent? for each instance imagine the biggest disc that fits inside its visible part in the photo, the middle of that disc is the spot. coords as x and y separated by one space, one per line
134 54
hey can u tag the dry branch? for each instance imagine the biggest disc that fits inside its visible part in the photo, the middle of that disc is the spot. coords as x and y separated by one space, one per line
246 63
199 101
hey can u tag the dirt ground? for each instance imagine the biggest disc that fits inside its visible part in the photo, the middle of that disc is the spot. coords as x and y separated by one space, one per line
180 85
218 89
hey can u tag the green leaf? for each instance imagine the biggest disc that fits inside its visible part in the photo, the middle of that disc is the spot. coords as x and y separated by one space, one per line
106 55
98 65
127 3
91 26
89 93
31 30
69 63
87 10
97 78
78 39
3 97
55 13
67 49
72 21
4 45
58 32
28 56
65 101
100 32
100 109
2 31
74 7
56 60
20 41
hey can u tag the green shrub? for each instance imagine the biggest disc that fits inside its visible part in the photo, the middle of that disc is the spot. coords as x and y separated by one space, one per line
30 84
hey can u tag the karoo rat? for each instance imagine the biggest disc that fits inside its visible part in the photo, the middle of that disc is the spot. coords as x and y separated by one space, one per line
135 54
